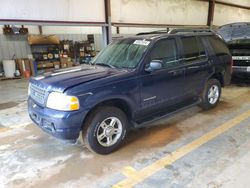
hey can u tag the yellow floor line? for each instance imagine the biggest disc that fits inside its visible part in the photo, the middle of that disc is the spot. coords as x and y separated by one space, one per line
129 171
138 176
4 129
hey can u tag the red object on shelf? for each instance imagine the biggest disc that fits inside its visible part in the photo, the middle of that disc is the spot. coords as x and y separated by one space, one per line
27 74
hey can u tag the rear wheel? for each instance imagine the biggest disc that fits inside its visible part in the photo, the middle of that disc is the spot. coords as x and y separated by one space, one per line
106 130
211 94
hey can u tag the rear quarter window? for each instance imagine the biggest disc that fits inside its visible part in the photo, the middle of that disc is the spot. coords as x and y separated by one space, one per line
219 47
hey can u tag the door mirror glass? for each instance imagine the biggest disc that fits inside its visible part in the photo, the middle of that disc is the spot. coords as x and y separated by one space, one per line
154 65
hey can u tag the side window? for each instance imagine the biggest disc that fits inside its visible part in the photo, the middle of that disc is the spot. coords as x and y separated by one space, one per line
202 53
218 46
166 51
190 48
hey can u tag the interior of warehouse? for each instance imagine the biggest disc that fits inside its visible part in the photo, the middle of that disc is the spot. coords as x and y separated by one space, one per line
124 93
84 40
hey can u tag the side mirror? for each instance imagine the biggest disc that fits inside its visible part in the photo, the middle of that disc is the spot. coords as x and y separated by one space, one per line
154 65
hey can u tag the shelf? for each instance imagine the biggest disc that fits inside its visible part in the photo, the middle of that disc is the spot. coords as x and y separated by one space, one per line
44 45
54 59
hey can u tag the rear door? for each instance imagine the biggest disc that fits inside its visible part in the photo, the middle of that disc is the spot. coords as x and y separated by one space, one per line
197 64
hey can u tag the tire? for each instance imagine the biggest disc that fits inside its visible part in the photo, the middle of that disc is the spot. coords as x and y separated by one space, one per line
211 94
99 135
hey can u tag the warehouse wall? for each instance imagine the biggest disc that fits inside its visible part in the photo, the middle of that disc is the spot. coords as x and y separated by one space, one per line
239 2
185 12
59 10
225 15
159 11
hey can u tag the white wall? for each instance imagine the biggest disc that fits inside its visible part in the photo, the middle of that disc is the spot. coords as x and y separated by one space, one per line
60 10
133 30
225 14
181 12
238 2
71 30
159 11
48 30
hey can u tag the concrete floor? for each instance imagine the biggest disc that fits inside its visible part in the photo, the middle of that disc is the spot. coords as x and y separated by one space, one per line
148 158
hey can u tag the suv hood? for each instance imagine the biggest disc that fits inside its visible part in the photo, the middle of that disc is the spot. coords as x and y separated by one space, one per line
235 31
63 79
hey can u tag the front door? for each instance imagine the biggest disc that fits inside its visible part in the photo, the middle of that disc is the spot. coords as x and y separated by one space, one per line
165 86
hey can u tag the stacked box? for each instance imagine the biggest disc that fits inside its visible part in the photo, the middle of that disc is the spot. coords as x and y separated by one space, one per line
56 64
65 62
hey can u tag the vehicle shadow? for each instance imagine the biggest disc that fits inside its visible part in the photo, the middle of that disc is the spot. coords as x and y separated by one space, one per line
241 82
158 134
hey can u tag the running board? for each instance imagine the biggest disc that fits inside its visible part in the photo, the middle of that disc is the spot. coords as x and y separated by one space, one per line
166 115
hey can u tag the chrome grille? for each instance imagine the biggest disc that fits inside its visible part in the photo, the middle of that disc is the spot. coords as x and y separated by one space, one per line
241 63
38 93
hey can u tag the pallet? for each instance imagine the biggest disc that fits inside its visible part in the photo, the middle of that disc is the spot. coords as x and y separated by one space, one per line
13 78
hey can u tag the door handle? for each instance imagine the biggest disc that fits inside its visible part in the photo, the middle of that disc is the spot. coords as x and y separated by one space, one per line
176 72
194 67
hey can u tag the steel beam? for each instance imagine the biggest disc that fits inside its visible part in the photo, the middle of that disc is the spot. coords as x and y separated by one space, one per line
108 26
50 22
210 15
115 24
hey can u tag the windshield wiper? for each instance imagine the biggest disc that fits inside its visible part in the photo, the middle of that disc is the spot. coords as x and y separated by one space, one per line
106 65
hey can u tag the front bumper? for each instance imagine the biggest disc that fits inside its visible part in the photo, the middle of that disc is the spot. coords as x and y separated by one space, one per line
241 70
63 125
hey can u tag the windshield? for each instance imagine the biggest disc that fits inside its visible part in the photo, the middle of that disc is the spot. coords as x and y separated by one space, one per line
124 53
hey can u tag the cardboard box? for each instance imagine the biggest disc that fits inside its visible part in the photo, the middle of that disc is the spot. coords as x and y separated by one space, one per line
69 64
65 62
49 70
63 65
56 64
45 64
43 39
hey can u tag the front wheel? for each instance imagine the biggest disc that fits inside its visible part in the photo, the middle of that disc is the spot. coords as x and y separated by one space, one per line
211 94
106 130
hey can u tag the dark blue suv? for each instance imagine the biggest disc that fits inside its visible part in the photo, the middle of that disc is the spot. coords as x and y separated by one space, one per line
129 84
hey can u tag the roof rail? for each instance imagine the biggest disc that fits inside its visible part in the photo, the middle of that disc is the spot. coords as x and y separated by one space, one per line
174 31
165 31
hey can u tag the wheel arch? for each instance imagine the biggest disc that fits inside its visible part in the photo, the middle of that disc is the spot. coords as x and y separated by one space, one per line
116 102
219 76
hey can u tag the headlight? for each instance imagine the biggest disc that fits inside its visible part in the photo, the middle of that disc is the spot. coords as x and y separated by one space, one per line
60 101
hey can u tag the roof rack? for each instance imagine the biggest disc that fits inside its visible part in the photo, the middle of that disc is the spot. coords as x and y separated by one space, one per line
174 31
165 31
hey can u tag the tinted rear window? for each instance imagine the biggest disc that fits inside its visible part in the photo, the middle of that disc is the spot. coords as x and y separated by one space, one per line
193 48
218 46
202 52
190 48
